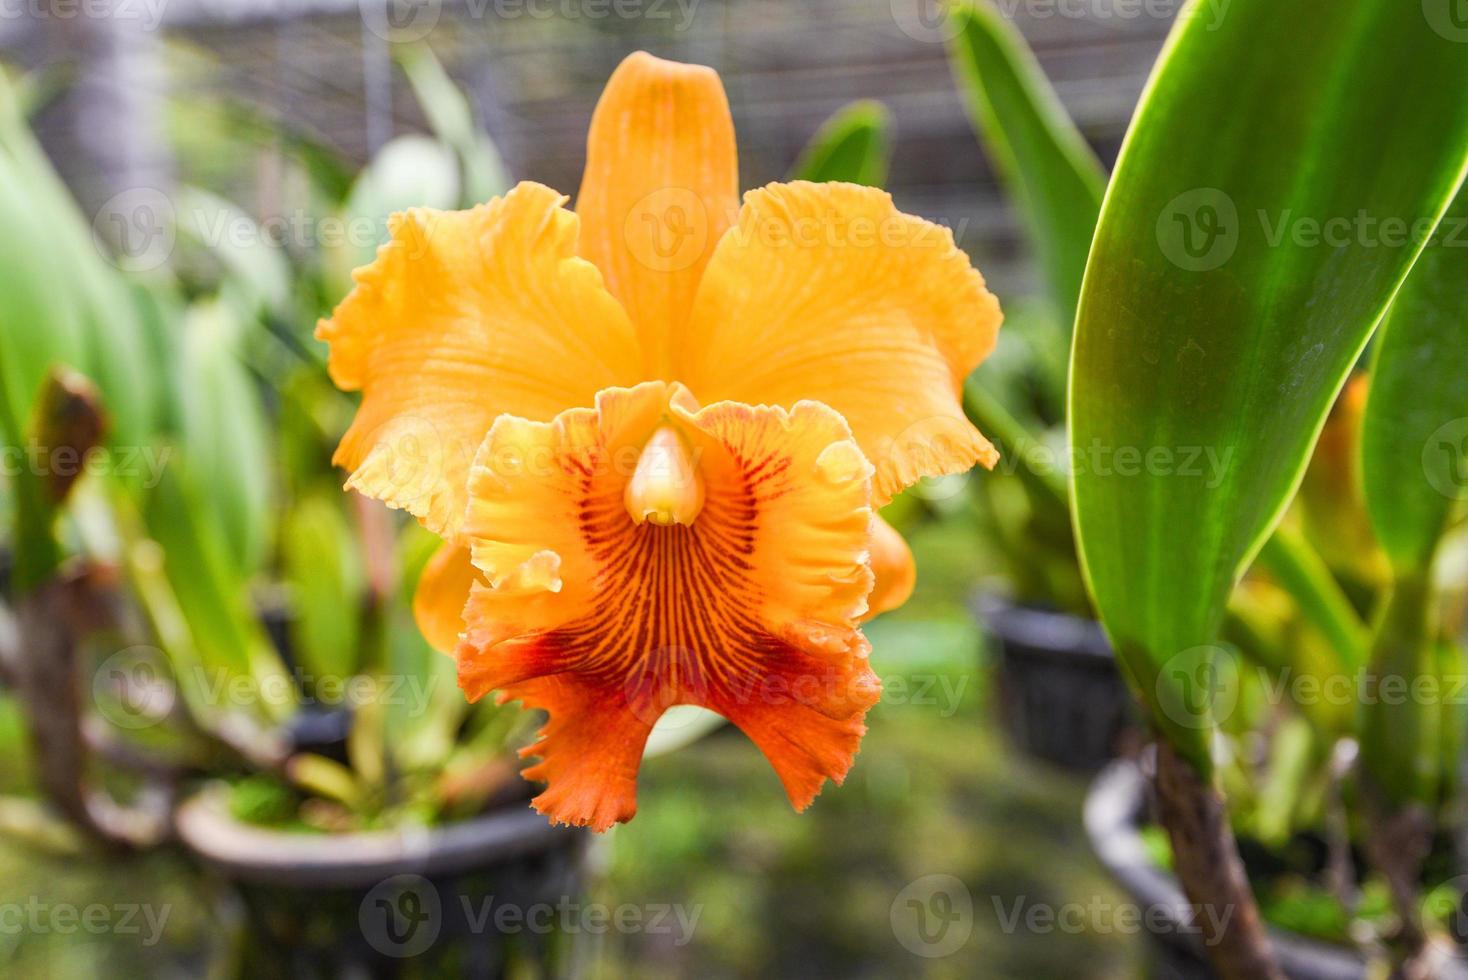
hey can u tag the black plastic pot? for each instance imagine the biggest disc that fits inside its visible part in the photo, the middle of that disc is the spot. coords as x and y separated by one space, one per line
1117 808
1059 694
416 902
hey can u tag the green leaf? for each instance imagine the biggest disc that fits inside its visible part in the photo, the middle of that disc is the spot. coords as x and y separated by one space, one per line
1414 466
213 599
323 567
854 145
327 779
1044 162
423 719
224 445
1414 439
452 120
39 325
1241 262
256 266
1401 729
113 348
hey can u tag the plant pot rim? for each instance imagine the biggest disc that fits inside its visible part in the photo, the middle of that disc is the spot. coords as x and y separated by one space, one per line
262 855
1038 628
1116 811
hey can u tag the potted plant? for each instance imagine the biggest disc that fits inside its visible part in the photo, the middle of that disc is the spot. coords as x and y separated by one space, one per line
215 648
1200 326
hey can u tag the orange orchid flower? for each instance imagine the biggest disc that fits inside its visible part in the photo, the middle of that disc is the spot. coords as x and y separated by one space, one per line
653 433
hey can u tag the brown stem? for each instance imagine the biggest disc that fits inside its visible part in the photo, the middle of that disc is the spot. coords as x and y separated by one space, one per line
1206 859
53 618
1398 842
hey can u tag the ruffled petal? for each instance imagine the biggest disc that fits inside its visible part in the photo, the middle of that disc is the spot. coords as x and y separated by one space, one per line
893 568
751 610
827 292
661 185
462 316
443 589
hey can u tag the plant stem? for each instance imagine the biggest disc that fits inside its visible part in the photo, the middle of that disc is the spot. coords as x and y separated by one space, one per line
53 619
1398 843
1206 859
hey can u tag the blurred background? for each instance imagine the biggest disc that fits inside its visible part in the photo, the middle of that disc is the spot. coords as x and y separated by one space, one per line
229 162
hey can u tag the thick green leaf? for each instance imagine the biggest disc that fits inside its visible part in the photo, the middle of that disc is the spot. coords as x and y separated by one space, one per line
114 350
854 145
1254 233
39 324
1414 467
1414 439
1045 163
